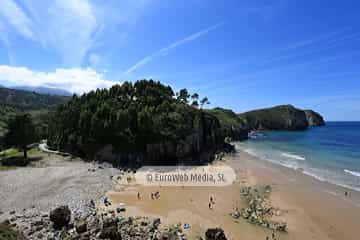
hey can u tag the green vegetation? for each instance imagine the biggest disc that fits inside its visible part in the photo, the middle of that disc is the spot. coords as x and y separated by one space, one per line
12 158
7 233
25 100
13 152
231 125
5 113
143 121
21 132
17 101
284 117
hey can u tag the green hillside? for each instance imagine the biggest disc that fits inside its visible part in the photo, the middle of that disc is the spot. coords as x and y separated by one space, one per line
231 125
24 100
283 117
143 122
38 105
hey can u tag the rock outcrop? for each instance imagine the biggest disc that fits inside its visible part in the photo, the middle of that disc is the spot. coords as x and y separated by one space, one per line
95 226
314 119
196 148
259 210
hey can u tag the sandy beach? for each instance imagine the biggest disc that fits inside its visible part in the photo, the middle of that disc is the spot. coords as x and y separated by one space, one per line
311 208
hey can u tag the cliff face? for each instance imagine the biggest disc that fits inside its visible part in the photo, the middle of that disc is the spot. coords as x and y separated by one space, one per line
284 117
197 147
231 125
314 119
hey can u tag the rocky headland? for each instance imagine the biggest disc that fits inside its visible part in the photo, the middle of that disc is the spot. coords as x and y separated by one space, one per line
283 117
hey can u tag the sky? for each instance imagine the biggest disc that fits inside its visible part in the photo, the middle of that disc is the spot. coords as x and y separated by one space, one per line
240 54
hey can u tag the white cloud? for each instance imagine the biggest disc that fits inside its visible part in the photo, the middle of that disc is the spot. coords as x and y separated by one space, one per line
75 80
15 17
164 51
70 28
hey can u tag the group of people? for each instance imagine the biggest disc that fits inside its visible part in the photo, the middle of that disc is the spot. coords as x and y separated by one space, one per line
273 237
155 195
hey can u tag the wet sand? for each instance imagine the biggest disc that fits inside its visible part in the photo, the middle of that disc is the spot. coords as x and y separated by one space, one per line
312 209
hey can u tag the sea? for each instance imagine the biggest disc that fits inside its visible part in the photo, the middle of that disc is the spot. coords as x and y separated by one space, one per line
330 153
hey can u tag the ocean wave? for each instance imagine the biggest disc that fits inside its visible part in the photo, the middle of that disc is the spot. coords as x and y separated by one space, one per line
319 174
294 156
354 173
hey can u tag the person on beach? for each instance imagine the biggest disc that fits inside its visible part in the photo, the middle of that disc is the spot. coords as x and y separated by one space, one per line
210 206
107 202
138 196
212 200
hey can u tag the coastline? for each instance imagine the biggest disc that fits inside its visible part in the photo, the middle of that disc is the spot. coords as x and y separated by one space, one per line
323 204
311 208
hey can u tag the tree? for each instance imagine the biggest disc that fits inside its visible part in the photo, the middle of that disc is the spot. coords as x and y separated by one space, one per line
183 95
204 101
21 132
194 99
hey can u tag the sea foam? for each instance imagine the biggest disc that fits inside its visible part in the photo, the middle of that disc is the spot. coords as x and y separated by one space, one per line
354 173
294 156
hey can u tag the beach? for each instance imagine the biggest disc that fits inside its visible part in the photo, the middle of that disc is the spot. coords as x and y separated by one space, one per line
312 209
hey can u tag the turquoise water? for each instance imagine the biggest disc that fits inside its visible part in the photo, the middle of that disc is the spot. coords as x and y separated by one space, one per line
330 153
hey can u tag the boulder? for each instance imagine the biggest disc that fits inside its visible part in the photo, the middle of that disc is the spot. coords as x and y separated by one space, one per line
215 234
156 223
80 226
109 233
60 216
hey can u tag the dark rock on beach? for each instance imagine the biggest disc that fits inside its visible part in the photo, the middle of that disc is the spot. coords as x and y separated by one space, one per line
215 234
95 226
259 210
60 216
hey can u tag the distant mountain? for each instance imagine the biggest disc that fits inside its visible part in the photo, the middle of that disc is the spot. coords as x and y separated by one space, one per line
44 90
26 100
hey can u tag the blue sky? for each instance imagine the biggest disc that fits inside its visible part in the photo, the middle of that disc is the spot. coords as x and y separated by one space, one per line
241 54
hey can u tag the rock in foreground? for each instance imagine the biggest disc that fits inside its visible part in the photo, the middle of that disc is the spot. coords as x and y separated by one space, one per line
60 216
95 226
215 234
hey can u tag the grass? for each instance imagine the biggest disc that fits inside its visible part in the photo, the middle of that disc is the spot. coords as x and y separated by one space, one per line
12 158
6 168
7 233
13 152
